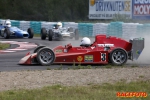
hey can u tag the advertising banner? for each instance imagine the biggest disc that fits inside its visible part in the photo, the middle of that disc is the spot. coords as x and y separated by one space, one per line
141 9
108 9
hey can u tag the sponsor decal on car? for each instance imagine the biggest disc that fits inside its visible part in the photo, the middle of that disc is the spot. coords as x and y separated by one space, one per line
79 58
88 58
93 47
105 45
138 52
58 51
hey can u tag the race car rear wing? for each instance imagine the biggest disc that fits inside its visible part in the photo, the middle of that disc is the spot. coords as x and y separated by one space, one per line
137 48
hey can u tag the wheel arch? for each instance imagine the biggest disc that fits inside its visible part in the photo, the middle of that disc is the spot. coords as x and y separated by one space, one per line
113 50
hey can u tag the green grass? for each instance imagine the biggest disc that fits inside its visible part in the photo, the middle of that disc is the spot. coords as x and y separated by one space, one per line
91 92
4 46
36 35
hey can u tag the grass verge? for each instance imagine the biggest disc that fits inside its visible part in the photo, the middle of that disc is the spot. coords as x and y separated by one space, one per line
36 35
90 92
4 46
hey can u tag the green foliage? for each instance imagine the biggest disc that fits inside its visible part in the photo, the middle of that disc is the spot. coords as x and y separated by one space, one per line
134 65
45 10
48 68
92 91
4 46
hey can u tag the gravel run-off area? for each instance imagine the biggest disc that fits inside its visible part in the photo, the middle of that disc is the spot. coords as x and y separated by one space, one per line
37 79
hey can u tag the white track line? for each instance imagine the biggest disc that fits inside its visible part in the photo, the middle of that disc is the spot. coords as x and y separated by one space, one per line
22 46
6 51
16 49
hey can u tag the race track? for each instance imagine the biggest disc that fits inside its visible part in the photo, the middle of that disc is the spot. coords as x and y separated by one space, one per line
9 61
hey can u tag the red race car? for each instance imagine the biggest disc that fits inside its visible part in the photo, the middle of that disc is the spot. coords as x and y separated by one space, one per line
105 49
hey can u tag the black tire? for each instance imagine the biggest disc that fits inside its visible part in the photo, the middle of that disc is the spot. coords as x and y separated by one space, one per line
31 33
71 31
37 49
76 34
50 35
118 57
7 33
45 56
43 33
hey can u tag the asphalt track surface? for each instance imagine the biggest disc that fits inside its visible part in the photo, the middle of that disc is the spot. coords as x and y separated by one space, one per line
9 61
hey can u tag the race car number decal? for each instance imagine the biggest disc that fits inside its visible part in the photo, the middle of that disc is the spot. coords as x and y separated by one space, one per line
79 58
103 56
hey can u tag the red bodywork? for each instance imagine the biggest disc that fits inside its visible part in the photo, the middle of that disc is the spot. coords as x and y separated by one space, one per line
94 54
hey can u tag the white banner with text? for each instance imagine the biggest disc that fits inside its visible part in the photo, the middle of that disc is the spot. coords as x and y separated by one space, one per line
108 9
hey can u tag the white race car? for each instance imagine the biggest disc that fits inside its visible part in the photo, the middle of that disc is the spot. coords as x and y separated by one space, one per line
59 33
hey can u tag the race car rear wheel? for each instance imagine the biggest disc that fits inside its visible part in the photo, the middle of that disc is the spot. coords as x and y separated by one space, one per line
43 33
71 32
31 33
37 49
50 35
45 56
76 34
118 56
7 33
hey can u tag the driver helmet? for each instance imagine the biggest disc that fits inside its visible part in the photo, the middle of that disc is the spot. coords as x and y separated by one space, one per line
85 42
59 24
8 23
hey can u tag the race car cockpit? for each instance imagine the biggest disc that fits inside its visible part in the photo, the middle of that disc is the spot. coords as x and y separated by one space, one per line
85 42
58 25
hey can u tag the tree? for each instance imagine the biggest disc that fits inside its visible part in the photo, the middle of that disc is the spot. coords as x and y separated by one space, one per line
46 10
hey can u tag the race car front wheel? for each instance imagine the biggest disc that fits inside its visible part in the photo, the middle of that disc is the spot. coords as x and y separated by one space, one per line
70 30
118 56
43 33
37 49
50 35
45 56
7 33
31 33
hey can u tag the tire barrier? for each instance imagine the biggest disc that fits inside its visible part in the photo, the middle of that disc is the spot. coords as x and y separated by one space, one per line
119 29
